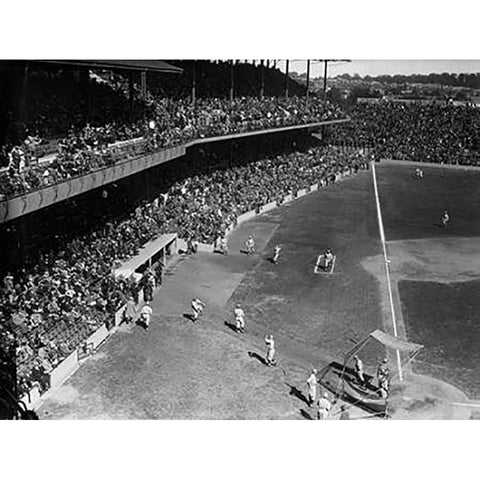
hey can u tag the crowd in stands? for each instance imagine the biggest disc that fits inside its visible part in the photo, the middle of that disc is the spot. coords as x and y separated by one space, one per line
69 293
7 349
169 123
440 133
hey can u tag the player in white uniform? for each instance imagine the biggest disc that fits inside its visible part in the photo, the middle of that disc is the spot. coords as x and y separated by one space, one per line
197 307
383 376
359 369
324 407
239 319
312 387
224 246
270 350
250 244
276 253
445 219
418 173
146 314
328 259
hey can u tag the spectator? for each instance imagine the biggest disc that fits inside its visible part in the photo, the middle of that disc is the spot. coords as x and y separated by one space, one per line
416 131
174 122
67 293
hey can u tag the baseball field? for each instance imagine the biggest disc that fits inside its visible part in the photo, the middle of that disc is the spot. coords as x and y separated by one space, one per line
436 270
206 370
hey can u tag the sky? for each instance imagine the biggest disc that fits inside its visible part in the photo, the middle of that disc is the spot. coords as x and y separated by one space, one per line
387 67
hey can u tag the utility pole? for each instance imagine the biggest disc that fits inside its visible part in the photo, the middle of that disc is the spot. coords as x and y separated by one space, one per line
23 104
287 66
194 82
131 91
262 79
325 71
232 85
143 78
308 77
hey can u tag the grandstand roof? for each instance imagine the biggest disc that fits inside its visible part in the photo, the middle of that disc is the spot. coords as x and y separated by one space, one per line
150 65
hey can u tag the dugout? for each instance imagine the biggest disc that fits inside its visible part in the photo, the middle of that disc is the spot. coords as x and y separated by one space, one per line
154 255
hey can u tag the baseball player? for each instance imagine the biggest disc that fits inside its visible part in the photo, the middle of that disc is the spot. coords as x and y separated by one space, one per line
270 350
359 369
328 259
250 244
197 308
445 219
239 318
324 407
312 387
276 253
224 246
145 315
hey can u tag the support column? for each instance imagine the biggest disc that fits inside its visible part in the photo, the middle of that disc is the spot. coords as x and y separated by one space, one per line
131 92
308 78
194 82
144 84
232 84
262 79
164 260
287 66
23 110
325 71
84 82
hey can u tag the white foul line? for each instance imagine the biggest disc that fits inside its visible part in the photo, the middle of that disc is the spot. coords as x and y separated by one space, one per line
474 405
387 269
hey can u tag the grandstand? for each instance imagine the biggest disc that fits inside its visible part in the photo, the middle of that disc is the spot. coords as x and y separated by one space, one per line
103 161
67 120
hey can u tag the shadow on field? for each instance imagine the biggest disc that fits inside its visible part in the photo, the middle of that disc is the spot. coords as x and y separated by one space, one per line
258 357
297 393
440 225
139 323
306 415
189 316
232 327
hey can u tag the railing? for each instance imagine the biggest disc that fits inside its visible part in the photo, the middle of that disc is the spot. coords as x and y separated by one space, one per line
22 204
27 203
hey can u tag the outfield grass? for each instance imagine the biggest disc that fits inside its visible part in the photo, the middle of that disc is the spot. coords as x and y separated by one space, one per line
323 312
412 208
445 319
439 285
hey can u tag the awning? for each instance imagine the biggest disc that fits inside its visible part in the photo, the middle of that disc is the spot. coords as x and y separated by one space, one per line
138 65
395 343
144 255
388 341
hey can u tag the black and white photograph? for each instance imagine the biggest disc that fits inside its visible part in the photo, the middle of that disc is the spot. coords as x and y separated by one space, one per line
240 239
216 229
